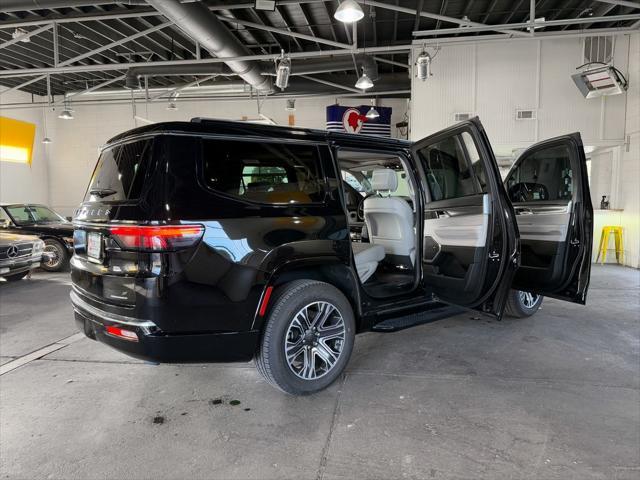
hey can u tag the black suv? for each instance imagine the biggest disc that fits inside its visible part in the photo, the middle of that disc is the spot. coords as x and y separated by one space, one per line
209 241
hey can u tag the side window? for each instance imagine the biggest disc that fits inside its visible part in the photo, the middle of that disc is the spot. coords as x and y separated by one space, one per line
4 218
542 176
448 168
263 172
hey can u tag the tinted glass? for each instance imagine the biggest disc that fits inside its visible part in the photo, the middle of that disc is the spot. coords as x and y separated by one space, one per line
263 172
28 214
542 175
120 172
448 169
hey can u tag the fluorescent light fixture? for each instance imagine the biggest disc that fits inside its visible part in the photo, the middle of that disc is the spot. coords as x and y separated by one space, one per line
18 32
283 71
601 81
269 5
66 115
537 23
364 82
349 11
46 140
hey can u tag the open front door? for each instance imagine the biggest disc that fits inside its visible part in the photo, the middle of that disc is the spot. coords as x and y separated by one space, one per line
470 247
549 189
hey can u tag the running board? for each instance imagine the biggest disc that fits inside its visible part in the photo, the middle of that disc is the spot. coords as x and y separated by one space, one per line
418 318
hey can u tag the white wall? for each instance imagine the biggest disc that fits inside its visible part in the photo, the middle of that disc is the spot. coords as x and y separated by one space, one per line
493 79
20 182
75 146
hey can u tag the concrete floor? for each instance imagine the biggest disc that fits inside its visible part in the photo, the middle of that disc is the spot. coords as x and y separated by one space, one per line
552 396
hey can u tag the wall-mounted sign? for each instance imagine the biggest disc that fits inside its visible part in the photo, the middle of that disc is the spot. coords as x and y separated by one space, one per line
354 120
16 140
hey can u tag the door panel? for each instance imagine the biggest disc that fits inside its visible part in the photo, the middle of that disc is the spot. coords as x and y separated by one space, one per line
549 189
470 247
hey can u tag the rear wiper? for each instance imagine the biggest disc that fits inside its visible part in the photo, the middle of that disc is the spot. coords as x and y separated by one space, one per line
102 192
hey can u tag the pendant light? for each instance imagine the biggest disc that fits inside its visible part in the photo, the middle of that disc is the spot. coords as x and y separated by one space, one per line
423 65
67 113
364 82
372 114
349 11
283 69
46 140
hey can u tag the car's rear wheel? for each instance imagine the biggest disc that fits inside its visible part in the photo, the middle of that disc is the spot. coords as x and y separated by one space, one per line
523 304
308 337
16 276
58 257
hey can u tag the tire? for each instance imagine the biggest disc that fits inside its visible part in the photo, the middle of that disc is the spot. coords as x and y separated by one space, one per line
60 258
329 346
16 276
522 304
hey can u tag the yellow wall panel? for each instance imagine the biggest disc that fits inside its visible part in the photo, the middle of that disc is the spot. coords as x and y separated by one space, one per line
16 140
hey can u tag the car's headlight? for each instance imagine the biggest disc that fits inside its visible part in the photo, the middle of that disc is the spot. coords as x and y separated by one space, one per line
38 247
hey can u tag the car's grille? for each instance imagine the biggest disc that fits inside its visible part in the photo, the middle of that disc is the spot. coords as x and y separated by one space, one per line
20 250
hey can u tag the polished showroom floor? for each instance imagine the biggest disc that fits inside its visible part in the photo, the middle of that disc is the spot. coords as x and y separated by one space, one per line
552 396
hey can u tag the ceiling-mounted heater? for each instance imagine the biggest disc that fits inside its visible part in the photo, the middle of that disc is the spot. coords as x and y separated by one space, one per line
600 81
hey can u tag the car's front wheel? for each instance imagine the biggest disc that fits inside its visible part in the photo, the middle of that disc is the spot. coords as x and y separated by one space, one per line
523 304
308 337
57 256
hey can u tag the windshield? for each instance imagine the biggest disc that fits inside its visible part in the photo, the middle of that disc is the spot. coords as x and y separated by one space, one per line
29 214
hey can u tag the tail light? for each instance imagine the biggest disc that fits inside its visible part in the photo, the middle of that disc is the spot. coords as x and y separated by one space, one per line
121 333
157 237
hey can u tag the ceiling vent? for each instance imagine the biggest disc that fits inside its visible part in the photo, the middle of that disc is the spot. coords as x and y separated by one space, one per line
598 49
526 114
462 116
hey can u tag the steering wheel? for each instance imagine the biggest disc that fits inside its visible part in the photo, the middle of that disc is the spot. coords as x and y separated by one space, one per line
361 206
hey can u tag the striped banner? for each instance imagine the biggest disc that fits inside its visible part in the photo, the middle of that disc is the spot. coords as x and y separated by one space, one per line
354 120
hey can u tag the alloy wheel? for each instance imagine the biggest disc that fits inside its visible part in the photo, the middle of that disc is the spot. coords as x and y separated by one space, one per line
314 341
528 299
55 256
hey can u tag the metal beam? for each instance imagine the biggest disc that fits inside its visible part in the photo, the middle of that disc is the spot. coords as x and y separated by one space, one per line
24 84
182 87
123 66
25 36
549 23
444 18
279 31
621 3
115 44
331 84
391 62
91 89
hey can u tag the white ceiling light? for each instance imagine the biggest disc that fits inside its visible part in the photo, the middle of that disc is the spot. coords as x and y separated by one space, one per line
18 32
348 12
372 114
283 70
46 140
66 114
364 82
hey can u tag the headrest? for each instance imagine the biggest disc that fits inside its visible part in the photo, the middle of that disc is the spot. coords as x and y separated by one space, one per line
384 179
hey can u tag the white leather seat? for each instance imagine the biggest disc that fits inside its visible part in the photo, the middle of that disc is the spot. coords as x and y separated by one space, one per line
367 257
390 219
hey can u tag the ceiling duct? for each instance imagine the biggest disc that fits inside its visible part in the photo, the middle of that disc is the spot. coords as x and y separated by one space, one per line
201 25
132 79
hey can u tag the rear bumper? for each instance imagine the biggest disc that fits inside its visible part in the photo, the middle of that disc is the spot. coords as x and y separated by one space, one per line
157 346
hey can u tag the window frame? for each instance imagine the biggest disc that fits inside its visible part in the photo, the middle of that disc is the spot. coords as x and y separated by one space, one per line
235 138
573 164
477 185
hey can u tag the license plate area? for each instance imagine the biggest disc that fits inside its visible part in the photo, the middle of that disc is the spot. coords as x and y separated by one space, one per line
94 247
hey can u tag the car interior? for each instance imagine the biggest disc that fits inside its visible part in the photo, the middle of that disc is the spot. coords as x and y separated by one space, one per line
380 200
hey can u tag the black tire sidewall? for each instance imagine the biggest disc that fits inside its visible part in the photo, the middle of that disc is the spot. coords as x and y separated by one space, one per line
518 309
64 256
291 299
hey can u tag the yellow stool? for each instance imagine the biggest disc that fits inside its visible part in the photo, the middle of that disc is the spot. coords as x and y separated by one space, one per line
604 243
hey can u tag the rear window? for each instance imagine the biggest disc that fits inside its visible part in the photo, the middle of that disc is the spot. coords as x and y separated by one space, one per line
264 172
120 172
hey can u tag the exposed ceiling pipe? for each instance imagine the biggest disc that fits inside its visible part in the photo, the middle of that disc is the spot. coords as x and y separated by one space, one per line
201 25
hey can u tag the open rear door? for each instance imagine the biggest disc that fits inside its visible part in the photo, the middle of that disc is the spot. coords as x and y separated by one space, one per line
549 189
470 247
